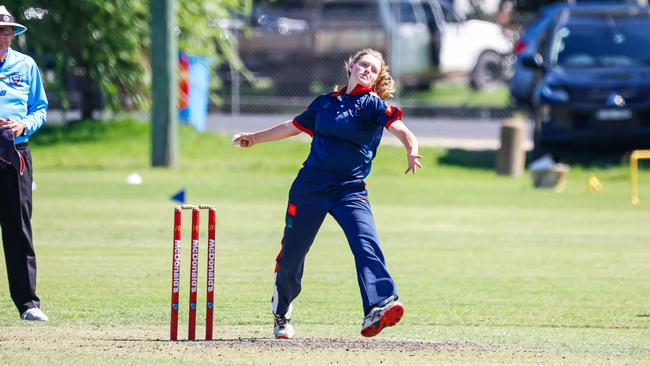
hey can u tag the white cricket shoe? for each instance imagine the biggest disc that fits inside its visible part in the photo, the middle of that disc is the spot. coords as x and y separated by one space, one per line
34 314
282 327
381 317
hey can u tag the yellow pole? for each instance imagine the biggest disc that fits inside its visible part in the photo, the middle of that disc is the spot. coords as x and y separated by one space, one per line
634 169
634 173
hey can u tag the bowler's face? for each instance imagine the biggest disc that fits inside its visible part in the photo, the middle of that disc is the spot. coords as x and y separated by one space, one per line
365 70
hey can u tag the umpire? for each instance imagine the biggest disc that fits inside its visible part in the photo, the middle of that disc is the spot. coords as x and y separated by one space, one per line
23 107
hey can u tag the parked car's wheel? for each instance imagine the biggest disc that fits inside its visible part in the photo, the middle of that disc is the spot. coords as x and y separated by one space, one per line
489 71
538 149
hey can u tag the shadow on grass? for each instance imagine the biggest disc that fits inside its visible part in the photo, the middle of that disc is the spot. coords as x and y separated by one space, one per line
87 131
486 159
592 159
474 159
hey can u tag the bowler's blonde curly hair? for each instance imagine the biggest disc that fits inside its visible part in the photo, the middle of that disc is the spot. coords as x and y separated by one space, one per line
384 85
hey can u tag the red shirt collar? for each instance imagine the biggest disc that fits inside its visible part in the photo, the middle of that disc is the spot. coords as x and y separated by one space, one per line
358 89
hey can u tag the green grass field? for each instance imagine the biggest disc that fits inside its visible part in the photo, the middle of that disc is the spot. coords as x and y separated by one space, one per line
490 270
453 95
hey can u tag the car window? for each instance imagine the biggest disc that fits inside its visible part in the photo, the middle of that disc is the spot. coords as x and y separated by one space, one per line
347 9
451 16
266 11
607 44
543 39
357 14
432 22
403 12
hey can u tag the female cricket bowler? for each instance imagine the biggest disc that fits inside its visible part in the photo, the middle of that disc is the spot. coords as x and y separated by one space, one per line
346 127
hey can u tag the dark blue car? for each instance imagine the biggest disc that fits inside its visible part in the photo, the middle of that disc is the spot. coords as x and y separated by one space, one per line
522 81
593 80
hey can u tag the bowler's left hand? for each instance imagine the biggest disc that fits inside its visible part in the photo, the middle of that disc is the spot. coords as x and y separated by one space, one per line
17 127
414 163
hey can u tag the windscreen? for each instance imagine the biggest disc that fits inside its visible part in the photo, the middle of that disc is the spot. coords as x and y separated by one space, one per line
603 42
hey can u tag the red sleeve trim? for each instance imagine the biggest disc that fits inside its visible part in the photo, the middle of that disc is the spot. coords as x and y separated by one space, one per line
302 128
397 115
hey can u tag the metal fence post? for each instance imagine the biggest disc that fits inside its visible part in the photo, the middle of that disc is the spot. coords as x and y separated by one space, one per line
164 83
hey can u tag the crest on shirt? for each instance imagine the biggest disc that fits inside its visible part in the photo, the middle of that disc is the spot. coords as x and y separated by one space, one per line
15 79
357 109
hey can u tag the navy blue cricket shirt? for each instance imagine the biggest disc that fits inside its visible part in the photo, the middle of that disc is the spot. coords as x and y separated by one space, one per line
346 131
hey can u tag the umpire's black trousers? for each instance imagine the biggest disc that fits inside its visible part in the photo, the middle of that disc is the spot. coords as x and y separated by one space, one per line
15 219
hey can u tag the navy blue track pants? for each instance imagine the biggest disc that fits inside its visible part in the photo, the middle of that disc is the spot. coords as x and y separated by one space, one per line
312 196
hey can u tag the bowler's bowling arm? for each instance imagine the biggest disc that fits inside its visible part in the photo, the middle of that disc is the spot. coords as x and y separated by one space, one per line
277 132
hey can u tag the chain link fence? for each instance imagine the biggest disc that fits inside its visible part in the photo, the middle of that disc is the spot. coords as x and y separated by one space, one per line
444 64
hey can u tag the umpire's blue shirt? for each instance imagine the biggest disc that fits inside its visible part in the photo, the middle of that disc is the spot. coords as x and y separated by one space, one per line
22 96
346 131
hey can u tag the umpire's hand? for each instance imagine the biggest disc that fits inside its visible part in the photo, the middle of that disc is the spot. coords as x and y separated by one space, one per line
18 128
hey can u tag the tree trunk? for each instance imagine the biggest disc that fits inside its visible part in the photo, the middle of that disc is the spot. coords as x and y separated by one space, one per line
88 101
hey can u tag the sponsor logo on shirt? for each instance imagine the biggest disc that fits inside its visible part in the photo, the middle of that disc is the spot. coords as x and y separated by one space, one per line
291 209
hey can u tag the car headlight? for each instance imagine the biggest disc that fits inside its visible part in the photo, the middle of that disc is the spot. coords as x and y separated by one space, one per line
555 94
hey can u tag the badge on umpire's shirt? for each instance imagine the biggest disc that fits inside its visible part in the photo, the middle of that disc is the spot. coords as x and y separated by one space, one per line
15 79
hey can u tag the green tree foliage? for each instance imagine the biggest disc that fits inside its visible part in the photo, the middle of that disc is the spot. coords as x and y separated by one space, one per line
213 37
104 45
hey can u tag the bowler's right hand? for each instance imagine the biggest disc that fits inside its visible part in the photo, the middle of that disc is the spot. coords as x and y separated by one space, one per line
244 139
